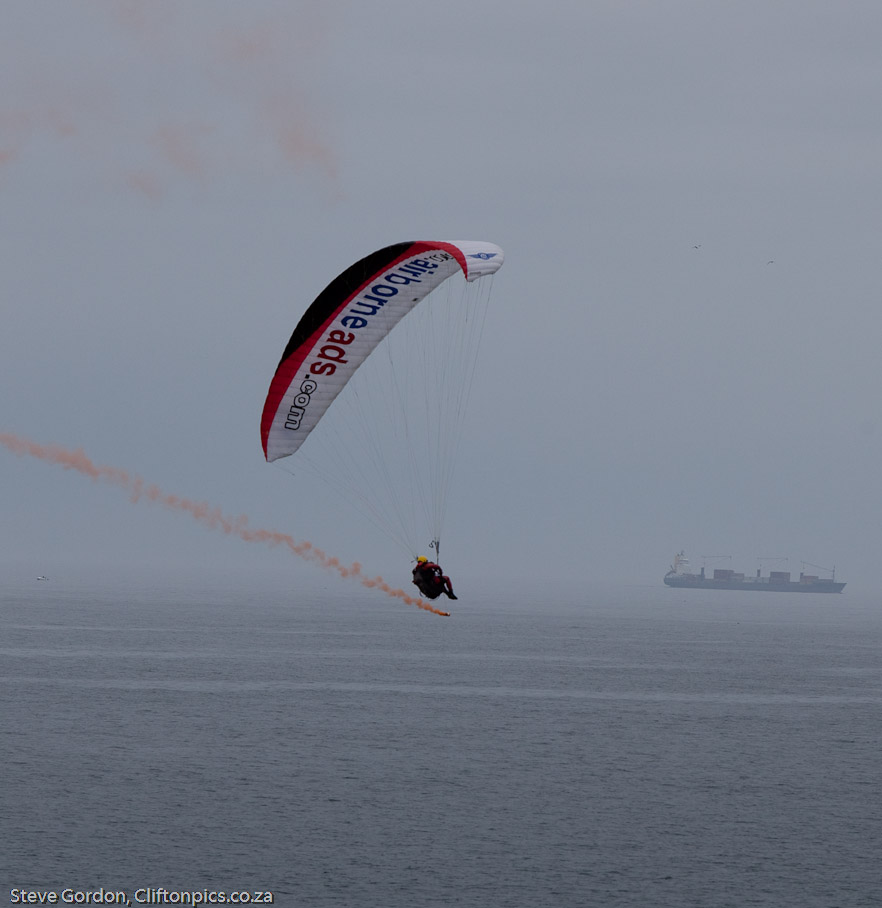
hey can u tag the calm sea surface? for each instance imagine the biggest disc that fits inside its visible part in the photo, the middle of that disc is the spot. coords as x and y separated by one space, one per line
644 747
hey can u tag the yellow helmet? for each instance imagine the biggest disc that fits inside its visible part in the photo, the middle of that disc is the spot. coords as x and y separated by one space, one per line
422 559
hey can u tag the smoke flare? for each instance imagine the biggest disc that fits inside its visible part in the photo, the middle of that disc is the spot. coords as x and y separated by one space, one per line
211 517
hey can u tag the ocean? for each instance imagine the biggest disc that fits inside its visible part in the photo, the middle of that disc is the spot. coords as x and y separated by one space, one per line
630 747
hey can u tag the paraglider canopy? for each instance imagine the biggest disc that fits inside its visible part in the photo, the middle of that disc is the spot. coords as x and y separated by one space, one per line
347 321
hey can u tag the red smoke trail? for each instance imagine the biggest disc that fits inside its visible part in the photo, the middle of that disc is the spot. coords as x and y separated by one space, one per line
207 515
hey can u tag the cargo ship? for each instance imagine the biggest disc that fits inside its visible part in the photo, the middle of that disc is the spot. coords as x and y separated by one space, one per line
776 581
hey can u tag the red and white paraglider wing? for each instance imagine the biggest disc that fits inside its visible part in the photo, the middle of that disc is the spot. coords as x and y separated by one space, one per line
347 321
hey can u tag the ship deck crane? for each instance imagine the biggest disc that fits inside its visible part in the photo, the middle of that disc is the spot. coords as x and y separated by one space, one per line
831 571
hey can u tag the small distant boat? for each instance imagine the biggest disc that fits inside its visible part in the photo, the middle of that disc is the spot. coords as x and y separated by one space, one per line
42 577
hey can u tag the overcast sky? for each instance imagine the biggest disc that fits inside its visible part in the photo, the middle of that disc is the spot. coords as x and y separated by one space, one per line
682 349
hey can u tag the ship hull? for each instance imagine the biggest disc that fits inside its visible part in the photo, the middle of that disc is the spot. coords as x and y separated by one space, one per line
695 582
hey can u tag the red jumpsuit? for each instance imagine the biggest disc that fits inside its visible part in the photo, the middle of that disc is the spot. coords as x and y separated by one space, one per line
432 581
